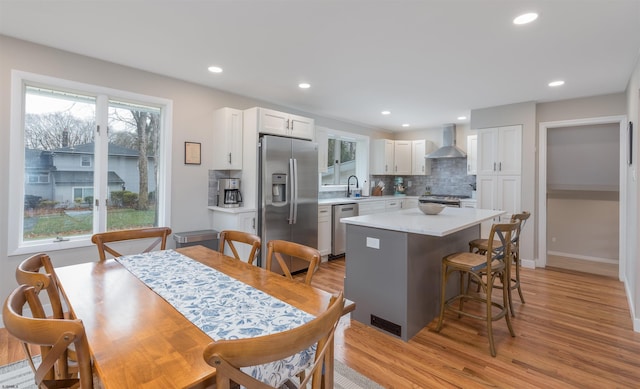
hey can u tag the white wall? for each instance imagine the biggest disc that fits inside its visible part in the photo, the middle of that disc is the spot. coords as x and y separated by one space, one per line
193 108
632 269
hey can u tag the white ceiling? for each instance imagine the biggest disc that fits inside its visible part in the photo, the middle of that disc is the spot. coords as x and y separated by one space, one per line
428 61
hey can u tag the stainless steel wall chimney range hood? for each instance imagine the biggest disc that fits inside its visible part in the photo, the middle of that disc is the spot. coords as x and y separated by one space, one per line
449 148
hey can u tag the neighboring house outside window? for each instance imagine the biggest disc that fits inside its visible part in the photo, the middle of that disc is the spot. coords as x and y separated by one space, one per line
78 177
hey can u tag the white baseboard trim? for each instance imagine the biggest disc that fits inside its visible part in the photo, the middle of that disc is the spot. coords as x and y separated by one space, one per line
528 263
635 320
584 257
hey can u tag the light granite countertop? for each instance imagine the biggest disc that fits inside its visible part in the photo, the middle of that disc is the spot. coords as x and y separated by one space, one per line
413 221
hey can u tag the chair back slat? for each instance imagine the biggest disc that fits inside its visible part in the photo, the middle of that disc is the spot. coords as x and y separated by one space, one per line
278 248
102 239
228 237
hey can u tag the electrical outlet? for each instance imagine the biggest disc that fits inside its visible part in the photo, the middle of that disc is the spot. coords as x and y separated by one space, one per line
409 184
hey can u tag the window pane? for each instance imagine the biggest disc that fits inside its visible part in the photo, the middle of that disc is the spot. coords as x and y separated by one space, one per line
58 134
341 162
134 144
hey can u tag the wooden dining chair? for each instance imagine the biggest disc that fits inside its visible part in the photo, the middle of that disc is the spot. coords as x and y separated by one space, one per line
54 336
480 267
480 246
228 237
277 248
38 271
229 356
101 239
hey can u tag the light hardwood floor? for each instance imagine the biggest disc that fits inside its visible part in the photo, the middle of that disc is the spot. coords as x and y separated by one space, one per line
574 331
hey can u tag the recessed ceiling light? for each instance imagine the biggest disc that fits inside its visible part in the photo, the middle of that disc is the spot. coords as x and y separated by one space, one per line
525 18
386 112
556 83
462 118
304 85
215 69
406 125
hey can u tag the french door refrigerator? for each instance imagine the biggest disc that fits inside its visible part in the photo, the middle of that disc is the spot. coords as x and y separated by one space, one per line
287 195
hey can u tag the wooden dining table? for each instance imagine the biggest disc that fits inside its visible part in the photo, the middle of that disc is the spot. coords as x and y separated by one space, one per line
139 340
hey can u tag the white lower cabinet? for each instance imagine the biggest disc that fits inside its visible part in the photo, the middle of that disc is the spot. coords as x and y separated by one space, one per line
324 229
409 203
391 205
239 221
371 207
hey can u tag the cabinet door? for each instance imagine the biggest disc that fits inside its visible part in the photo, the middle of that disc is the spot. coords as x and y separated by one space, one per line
381 156
370 207
227 148
402 157
273 122
324 229
472 154
508 196
323 154
509 150
487 149
300 127
421 165
409 203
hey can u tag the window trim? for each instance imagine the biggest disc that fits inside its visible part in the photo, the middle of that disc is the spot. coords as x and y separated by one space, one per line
15 222
362 157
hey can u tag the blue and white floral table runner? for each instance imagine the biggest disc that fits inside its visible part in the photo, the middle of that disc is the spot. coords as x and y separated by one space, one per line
221 306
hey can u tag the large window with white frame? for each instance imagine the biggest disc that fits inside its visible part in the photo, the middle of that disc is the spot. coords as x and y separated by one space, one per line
341 155
87 159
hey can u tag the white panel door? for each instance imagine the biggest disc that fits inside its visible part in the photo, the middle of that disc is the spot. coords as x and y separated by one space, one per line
487 149
508 196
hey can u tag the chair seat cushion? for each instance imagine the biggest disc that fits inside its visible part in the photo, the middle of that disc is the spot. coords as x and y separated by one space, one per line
483 244
471 262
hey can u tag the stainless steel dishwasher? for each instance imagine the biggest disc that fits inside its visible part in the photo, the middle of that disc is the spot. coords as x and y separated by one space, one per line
339 230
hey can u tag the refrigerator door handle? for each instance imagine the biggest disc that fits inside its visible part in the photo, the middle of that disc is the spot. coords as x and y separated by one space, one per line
292 184
295 191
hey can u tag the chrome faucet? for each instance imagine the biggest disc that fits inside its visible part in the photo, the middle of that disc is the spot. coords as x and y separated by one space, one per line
349 186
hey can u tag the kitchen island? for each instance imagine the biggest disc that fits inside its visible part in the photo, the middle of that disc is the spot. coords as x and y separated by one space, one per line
393 264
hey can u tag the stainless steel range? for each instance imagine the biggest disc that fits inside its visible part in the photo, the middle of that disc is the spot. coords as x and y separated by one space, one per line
448 200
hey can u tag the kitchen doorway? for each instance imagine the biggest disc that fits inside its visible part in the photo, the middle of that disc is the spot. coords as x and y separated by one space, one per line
582 194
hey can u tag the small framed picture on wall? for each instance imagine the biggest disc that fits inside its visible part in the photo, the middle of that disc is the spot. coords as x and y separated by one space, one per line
192 154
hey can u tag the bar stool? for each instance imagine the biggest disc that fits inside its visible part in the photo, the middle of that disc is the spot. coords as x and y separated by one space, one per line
493 264
480 246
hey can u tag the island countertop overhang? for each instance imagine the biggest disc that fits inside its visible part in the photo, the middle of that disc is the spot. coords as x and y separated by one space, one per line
413 221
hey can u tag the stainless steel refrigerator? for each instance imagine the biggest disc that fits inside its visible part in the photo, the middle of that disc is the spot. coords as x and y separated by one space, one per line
287 195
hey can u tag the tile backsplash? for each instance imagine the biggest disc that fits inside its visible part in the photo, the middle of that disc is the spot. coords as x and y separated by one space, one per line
448 176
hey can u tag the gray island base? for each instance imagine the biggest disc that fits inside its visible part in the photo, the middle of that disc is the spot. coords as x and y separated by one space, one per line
393 264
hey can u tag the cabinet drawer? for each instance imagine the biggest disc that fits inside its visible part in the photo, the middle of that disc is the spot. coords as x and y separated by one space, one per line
324 212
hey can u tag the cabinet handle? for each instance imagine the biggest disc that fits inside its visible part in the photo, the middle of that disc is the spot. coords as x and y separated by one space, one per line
494 166
423 168
386 168
499 166
253 223
287 124
396 167
291 125
229 158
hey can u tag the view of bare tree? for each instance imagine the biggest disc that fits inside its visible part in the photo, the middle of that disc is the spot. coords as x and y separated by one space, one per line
47 131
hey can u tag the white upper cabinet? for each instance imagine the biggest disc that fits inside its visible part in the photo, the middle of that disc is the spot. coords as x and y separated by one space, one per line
402 157
421 166
472 154
280 123
382 153
227 145
322 137
499 150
